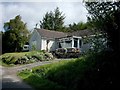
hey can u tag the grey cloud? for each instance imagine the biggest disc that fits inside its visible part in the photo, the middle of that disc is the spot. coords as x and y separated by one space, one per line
33 12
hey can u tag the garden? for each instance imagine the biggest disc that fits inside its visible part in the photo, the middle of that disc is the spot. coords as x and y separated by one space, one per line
11 59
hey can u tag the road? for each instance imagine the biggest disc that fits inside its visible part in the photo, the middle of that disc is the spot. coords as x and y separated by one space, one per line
9 79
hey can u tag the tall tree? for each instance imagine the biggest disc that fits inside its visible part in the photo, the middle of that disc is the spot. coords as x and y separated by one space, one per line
53 20
15 35
58 19
105 17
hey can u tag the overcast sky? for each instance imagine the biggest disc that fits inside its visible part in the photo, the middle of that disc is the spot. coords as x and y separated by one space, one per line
33 11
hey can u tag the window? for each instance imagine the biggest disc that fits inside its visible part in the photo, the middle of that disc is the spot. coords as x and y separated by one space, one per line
80 43
75 42
68 41
60 45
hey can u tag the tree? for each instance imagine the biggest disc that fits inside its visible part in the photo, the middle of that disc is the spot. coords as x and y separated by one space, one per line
105 17
15 35
53 20
78 26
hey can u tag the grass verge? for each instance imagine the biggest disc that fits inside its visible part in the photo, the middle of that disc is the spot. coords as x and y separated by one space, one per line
92 71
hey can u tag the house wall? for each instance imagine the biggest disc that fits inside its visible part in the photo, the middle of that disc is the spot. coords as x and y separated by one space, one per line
35 41
56 44
51 45
85 47
40 43
43 44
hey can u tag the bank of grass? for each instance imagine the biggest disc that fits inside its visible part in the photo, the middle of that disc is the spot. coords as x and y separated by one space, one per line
18 58
92 71
35 77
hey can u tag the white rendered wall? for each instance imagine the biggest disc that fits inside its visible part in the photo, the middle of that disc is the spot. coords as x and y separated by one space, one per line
43 44
35 38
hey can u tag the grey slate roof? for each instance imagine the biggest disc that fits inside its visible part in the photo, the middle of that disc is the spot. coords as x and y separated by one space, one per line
81 33
50 33
56 34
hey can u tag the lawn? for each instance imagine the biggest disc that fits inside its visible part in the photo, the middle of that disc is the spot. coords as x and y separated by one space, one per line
92 71
10 59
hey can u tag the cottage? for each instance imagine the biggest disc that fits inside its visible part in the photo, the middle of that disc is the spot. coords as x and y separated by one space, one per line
42 39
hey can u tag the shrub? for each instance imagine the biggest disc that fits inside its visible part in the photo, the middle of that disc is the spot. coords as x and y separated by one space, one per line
49 56
13 60
6 59
25 57
36 57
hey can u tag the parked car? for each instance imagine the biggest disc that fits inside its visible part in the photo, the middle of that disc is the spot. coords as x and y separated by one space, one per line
25 48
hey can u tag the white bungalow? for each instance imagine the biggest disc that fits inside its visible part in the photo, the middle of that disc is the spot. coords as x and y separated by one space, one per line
42 39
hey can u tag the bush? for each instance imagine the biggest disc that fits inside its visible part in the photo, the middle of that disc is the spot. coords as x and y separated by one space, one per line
25 57
48 56
13 60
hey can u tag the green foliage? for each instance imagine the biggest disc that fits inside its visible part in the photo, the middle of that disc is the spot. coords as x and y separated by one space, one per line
53 20
25 74
105 17
24 57
97 42
93 71
15 35
78 26
36 79
43 83
33 47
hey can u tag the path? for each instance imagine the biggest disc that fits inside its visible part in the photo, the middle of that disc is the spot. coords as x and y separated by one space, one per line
10 80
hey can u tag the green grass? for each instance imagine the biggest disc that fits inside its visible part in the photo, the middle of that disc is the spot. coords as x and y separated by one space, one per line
92 71
11 59
53 76
36 79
